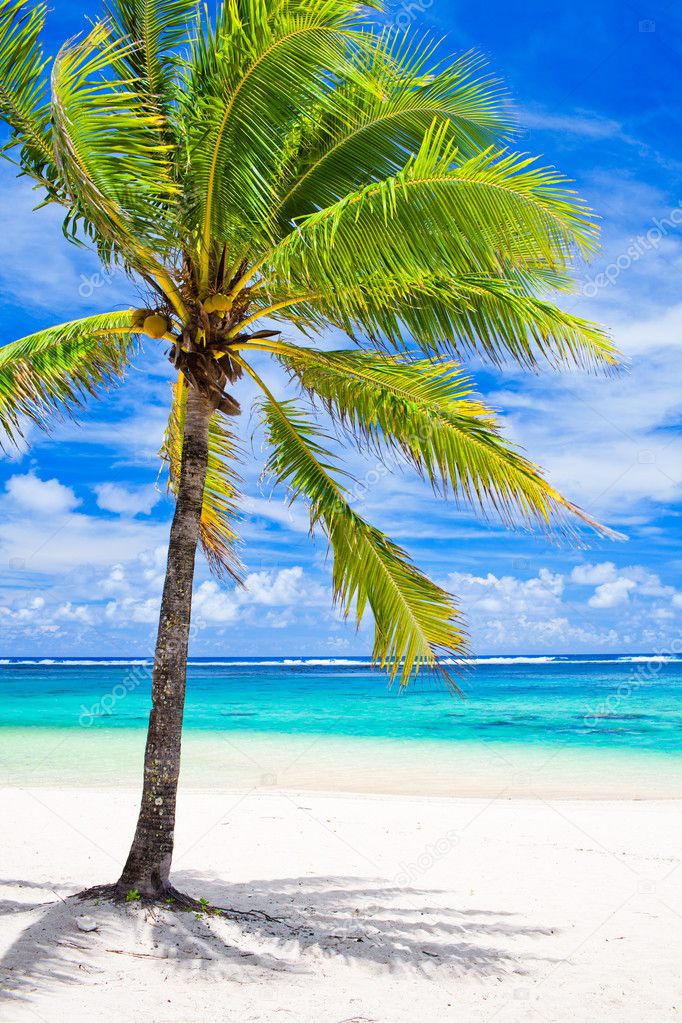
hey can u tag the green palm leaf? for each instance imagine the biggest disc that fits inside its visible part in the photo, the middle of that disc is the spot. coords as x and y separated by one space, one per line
381 117
498 318
488 215
247 79
416 622
22 96
423 411
55 370
151 31
219 513
109 155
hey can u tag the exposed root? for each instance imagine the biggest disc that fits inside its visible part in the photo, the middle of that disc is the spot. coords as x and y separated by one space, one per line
170 898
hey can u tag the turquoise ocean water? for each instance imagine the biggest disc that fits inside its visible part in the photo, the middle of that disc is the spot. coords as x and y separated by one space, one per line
585 708
631 701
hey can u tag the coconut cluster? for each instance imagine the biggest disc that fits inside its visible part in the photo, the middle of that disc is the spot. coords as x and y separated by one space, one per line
218 303
151 323
156 325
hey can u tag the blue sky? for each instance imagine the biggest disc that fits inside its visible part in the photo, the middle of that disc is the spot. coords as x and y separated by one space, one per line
84 519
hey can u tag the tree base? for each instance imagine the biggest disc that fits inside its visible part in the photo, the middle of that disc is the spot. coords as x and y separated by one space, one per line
169 897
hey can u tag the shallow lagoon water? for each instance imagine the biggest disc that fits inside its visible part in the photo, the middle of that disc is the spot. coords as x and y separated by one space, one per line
331 723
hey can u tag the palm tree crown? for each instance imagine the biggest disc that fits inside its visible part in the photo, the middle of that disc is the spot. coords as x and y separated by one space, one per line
287 164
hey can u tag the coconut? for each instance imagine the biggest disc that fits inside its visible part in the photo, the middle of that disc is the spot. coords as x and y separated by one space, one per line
139 316
218 303
156 325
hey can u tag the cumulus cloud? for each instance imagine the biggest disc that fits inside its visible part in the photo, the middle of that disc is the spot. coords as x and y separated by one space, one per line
132 609
507 593
612 594
213 603
594 575
43 532
285 588
41 497
526 632
614 587
551 611
127 501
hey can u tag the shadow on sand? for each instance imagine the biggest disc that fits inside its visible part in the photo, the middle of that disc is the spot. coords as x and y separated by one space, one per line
355 919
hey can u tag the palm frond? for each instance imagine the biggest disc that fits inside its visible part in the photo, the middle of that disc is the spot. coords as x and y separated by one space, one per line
23 104
54 371
248 78
487 215
109 155
423 410
496 318
380 118
151 31
417 625
501 319
217 535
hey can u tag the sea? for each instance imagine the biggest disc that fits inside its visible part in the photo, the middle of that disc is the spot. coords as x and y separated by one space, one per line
609 723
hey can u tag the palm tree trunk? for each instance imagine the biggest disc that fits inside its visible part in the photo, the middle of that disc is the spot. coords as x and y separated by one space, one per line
148 865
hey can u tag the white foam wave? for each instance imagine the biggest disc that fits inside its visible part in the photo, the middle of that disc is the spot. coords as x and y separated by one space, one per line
512 660
343 662
48 662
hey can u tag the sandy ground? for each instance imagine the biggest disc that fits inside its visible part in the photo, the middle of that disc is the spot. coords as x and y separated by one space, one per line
387 908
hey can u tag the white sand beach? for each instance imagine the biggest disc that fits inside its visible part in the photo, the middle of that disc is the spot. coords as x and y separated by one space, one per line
384 908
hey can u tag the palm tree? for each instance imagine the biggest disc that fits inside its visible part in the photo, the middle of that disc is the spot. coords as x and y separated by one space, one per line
288 165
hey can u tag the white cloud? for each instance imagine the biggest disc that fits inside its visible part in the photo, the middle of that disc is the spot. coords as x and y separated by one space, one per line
41 497
132 609
26 612
612 594
525 633
42 534
61 278
143 575
69 612
127 501
615 586
285 588
293 516
593 575
211 604
541 612
492 594
136 437
585 123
